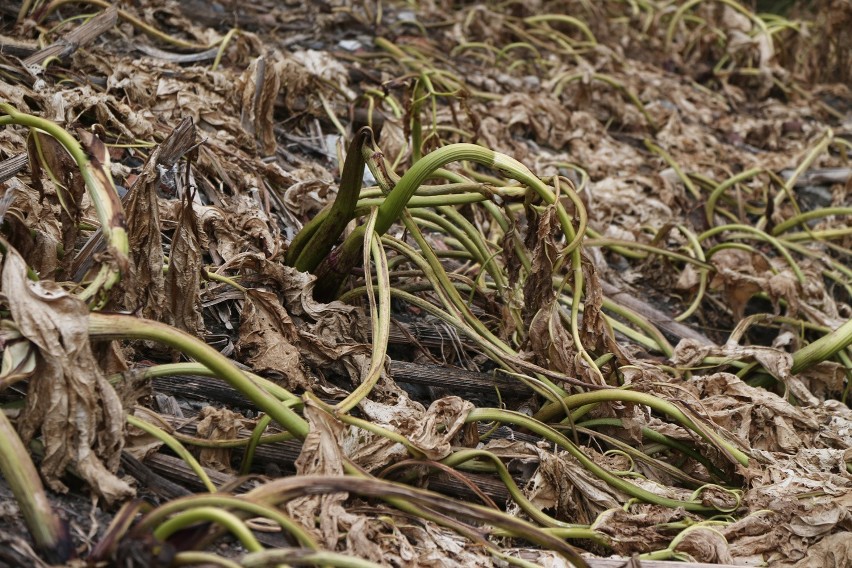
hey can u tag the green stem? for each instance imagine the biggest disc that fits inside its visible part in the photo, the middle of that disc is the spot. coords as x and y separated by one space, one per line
101 189
807 216
254 441
341 212
823 348
175 446
658 438
126 327
380 319
550 410
191 368
48 533
508 417
337 266
225 501
302 557
197 515
719 190
760 235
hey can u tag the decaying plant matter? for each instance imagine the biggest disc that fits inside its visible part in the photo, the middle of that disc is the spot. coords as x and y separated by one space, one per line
433 283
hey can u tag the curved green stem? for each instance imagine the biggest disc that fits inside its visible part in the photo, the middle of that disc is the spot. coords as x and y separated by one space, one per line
658 438
254 441
194 557
719 190
577 400
174 446
128 17
126 327
196 515
508 417
461 456
809 215
45 527
823 348
380 317
98 180
302 557
762 235
225 501
342 211
192 368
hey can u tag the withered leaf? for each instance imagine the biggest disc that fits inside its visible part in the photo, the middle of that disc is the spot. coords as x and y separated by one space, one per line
217 424
49 159
144 287
182 285
322 454
260 84
69 402
269 339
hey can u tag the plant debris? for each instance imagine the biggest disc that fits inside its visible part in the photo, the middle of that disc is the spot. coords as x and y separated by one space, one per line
426 284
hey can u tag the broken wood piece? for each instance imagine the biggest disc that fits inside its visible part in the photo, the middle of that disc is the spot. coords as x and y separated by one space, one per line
11 166
456 379
76 38
663 321
214 390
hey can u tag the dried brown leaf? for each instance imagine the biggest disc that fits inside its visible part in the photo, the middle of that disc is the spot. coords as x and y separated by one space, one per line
33 229
217 424
322 454
50 161
704 544
431 431
640 528
258 89
69 402
775 361
138 443
182 285
144 287
239 225
538 287
268 340
549 341
834 551
562 485
434 432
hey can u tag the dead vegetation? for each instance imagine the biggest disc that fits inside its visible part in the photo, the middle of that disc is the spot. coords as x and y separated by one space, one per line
429 283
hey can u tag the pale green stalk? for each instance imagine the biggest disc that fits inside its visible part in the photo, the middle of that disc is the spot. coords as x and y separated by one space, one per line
823 348
101 189
224 501
302 557
651 401
48 533
126 327
380 319
196 515
174 446
509 417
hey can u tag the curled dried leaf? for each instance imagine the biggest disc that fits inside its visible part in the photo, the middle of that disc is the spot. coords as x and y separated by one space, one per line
218 424
69 403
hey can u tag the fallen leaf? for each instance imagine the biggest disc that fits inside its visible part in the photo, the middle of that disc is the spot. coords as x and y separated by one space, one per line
217 424
69 402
